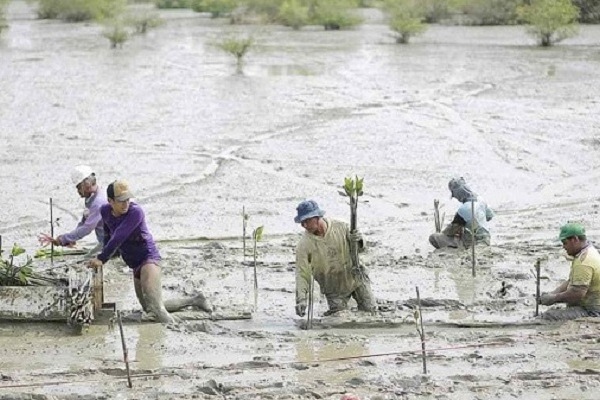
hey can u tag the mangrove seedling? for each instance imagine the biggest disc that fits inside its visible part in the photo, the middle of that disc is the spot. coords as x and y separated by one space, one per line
237 47
353 189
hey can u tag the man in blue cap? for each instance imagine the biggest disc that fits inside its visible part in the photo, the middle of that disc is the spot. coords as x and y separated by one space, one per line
459 230
324 249
581 292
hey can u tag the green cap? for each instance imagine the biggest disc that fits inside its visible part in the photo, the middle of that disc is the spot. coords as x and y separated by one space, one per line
571 229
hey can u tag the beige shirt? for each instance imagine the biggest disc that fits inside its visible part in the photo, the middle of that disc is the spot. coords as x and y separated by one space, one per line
331 262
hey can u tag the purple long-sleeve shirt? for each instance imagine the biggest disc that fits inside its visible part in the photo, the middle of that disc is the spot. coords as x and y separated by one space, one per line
91 220
129 234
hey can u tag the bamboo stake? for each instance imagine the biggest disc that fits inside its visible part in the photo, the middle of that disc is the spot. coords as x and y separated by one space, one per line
422 333
51 233
125 355
0 247
474 261
311 289
244 219
537 286
255 277
436 216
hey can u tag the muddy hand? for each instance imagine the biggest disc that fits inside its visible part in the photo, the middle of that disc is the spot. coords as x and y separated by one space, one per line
301 309
46 239
94 264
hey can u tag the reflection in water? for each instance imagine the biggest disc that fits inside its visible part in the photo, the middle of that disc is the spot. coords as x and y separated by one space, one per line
309 350
285 70
151 337
466 285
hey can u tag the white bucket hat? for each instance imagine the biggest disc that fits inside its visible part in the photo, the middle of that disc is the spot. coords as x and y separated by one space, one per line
81 172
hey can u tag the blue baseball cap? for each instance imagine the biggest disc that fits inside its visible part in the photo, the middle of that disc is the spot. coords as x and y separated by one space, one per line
308 209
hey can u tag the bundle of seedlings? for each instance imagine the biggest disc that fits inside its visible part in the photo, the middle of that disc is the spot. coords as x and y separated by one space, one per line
80 308
13 274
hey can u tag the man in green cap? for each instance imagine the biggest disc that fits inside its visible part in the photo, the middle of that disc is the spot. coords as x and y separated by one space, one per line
581 292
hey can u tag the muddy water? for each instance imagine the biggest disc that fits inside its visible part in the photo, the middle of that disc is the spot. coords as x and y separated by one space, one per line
198 141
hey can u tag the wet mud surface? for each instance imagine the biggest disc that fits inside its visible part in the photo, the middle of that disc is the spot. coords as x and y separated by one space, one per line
197 142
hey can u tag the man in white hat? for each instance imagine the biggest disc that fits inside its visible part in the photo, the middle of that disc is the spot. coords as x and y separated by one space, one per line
84 179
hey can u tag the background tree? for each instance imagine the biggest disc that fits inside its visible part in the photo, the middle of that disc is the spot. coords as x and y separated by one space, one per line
589 11
491 12
172 3
405 18
294 14
216 8
3 22
333 14
550 21
80 10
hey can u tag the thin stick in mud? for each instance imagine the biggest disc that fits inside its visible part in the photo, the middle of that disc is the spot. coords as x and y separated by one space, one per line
51 234
311 288
124 345
537 286
421 333
436 216
473 238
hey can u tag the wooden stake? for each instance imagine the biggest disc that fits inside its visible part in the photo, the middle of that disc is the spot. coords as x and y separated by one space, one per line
244 230
98 289
436 216
422 333
255 278
124 345
537 286
0 247
311 289
474 261
51 234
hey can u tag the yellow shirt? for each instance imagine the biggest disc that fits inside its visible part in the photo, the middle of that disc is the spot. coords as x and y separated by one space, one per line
331 262
585 271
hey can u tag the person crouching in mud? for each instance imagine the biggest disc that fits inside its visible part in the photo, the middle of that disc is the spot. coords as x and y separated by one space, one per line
125 231
581 292
459 230
325 246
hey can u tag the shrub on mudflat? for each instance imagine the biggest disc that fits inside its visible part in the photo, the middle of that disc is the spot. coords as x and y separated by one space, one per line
79 10
491 12
550 21
216 8
293 14
172 3
334 14
405 18
589 11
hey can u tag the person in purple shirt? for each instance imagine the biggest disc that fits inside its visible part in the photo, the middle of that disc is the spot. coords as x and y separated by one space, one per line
125 231
84 179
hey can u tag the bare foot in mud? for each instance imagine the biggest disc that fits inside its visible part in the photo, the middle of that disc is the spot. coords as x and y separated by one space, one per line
199 301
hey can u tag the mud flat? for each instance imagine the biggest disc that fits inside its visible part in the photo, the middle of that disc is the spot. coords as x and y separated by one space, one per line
198 142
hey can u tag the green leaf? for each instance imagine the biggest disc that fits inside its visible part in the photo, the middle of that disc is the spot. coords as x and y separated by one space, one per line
349 186
359 185
258 233
17 250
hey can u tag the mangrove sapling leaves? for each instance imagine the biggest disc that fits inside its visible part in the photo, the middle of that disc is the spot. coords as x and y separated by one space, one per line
17 250
258 234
